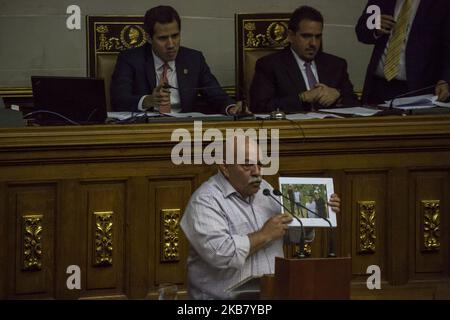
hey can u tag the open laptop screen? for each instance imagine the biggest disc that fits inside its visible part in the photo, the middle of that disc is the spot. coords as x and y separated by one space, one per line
82 100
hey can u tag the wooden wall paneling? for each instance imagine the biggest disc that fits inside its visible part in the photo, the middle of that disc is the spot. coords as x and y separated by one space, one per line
71 240
103 203
32 240
138 228
430 215
166 194
5 250
399 214
368 198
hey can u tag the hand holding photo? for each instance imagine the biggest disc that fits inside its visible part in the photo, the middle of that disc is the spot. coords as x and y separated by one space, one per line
307 199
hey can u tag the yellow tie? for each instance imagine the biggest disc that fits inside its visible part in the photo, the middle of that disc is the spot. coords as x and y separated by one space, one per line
397 41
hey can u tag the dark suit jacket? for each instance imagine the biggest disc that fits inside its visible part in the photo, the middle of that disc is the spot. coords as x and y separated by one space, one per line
134 76
428 47
278 81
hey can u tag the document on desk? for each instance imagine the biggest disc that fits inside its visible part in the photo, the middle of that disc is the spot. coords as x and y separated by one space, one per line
354 111
192 115
123 115
310 115
424 101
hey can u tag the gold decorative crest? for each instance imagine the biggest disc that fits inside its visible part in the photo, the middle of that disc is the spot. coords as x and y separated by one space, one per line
130 36
273 36
431 215
367 226
32 242
170 235
103 239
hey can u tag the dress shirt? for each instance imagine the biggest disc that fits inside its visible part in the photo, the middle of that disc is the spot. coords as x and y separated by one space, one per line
301 65
217 222
173 82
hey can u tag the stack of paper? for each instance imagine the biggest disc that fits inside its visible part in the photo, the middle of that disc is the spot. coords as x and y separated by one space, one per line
417 102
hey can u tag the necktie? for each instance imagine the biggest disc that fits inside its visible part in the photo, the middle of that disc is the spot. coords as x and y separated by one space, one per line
164 108
163 78
310 75
397 41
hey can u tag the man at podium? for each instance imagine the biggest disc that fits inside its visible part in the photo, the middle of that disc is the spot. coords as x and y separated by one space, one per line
234 230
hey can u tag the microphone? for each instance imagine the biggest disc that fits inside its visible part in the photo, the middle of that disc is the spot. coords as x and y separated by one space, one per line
331 242
301 253
391 104
278 193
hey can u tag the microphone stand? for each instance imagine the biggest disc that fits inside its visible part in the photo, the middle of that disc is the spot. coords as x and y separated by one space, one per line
301 252
331 235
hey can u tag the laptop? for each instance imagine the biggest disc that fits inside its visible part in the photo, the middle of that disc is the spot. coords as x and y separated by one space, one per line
68 100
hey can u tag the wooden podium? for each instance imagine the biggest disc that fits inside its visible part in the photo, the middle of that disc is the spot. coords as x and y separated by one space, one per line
309 279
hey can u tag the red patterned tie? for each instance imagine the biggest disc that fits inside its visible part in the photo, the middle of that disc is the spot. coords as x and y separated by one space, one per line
163 79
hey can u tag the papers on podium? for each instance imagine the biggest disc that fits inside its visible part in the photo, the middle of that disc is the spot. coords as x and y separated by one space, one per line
247 289
417 102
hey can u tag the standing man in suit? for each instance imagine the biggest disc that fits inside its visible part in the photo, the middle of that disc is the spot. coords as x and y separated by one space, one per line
412 49
164 76
301 77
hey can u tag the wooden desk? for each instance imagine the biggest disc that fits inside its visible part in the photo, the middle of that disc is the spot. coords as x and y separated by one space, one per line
108 199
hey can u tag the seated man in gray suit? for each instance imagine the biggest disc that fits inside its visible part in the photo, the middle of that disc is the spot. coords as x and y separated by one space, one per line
301 77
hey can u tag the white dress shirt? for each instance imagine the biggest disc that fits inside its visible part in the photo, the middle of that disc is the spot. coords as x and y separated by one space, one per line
301 65
173 82
402 71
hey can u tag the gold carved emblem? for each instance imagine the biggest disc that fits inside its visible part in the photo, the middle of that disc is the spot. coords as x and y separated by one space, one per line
431 215
274 36
170 235
132 36
103 239
32 242
367 226
276 33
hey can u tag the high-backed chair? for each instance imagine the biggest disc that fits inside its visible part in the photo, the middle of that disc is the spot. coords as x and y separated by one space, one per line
107 36
257 35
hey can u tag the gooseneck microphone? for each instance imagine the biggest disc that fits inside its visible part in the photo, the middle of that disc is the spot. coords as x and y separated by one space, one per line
301 253
331 241
278 193
391 104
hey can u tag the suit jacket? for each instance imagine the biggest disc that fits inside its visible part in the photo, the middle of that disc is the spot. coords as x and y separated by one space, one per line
428 46
278 81
134 76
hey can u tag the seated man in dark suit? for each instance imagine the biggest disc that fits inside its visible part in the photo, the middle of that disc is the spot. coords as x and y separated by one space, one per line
412 49
163 75
301 77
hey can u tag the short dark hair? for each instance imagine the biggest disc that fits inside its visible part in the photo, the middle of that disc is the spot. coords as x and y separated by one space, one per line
304 13
161 14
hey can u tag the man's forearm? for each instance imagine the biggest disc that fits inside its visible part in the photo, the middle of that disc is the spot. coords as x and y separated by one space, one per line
258 240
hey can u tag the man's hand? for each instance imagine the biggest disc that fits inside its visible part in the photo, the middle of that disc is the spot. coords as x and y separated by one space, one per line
160 98
335 203
387 25
327 95
276 226
311 96
442 91
273 229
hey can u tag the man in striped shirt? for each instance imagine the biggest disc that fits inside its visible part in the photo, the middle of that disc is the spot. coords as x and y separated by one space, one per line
234 230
